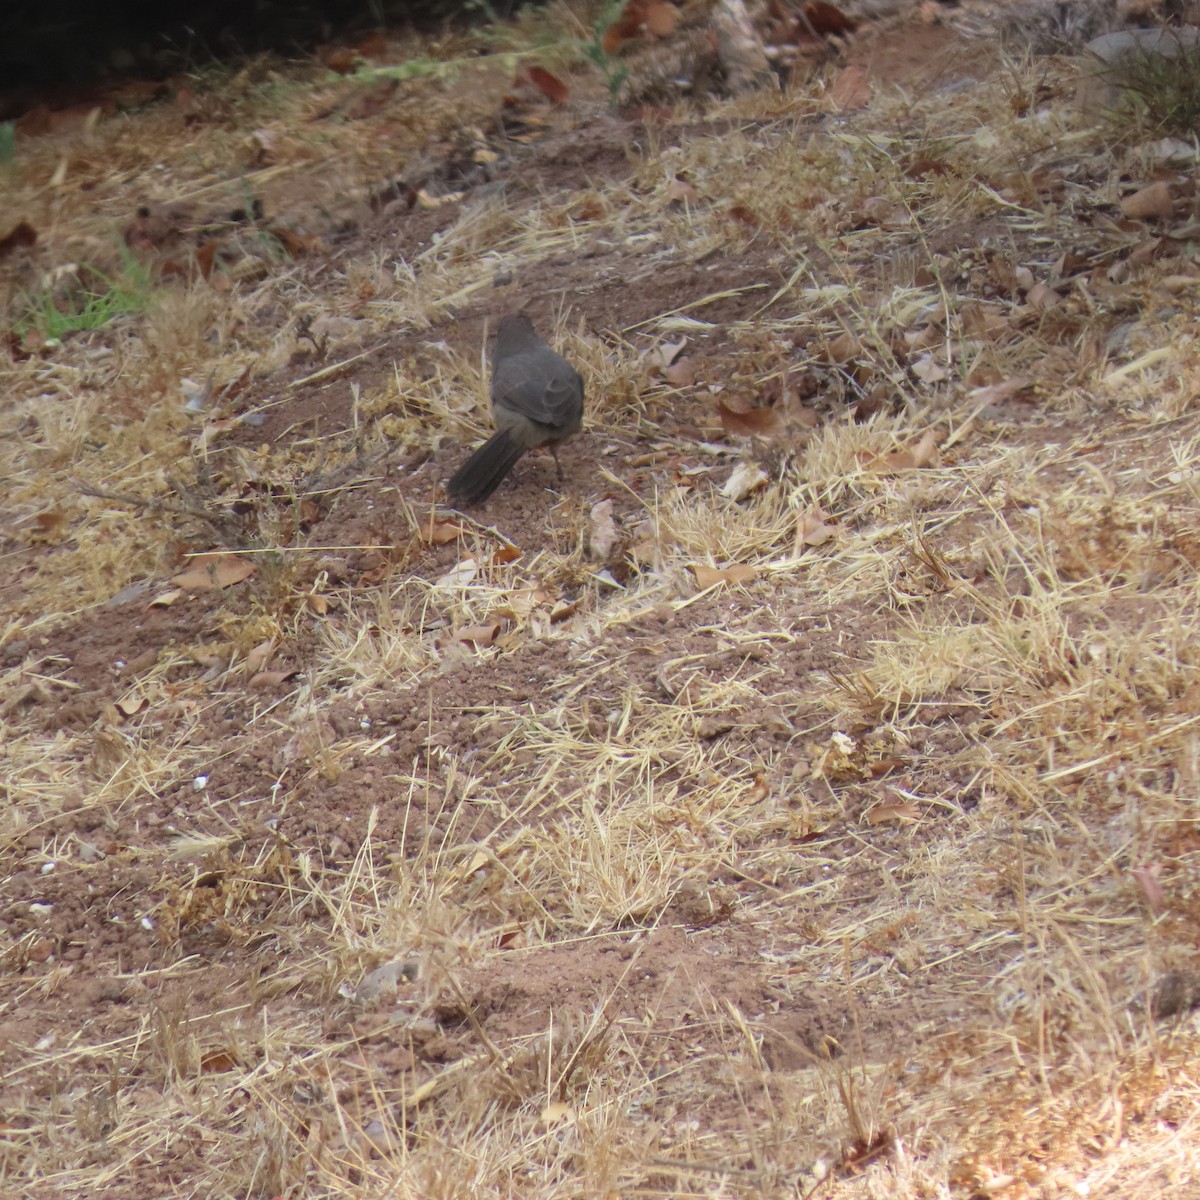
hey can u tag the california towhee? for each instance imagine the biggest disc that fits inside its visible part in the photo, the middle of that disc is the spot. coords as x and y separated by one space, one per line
537 400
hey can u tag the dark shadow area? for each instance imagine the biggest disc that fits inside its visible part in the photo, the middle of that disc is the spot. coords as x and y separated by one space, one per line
76 43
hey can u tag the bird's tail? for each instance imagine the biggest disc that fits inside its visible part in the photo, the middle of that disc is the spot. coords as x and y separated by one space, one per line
485 470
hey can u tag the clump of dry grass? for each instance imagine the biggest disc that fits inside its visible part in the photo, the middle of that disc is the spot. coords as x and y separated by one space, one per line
929 779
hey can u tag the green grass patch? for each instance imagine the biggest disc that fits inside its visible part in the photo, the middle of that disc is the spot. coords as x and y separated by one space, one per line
96 300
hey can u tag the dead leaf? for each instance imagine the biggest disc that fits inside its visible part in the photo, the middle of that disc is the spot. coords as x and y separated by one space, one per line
478 635
1149 203
982 320
295 245
258 658
506 554
1042 297
660 358
1146 879
661 18
603 537
745 478
844 348
681 373
558 1113
166 599
851 88
460 575
754 422
212 572
828 20
921 455
216 1062
131 704
893 812
270 679
261 148
50 526
439 531
812 530
20 235
562 610
626 27
996 393
679 191
707 577
521 603
549 85
928 370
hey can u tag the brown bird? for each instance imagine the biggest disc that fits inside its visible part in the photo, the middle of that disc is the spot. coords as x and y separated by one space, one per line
537 400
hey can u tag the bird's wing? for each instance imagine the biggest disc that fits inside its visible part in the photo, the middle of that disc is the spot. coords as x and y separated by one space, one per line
549 398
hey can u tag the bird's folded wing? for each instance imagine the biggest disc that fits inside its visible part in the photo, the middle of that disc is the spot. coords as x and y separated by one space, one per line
549 398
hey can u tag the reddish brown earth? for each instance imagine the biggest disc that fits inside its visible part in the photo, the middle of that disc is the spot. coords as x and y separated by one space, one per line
131 939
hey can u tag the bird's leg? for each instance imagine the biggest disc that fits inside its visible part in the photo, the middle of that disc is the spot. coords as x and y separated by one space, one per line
558 465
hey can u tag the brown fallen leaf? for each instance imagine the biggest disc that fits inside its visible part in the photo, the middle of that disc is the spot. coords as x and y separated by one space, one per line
603 537
745 478
20 235
928 370
982 320
51 526
844 348
438 531
680 191
478 635
754 422
270 679
851 88
295 244
827 20
893 812
681 373
211 572
1149 203
811 530
707 577
549 85
258 658
521 603
996 393
661 18
921 455
1042 297
132 704
1146 879
626 27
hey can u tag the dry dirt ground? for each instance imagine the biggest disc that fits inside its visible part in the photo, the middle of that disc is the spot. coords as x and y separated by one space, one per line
800 798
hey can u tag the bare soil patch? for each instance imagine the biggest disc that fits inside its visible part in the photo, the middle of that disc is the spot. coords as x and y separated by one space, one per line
798 798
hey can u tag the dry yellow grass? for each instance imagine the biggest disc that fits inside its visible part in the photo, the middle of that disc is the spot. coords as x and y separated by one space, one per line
854 874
